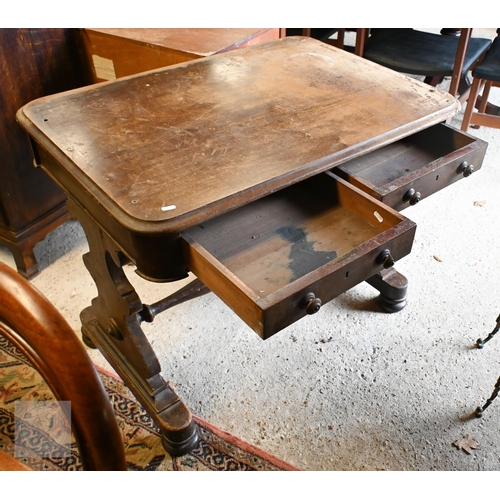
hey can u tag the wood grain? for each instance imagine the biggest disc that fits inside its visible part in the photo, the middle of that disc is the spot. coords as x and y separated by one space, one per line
33 63
127 51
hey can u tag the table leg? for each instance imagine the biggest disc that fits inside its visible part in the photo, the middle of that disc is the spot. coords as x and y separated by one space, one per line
393 288
112 324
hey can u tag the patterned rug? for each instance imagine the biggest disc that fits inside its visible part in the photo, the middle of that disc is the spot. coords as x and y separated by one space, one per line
40 449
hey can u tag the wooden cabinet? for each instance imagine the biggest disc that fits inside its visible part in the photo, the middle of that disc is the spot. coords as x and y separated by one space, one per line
33 63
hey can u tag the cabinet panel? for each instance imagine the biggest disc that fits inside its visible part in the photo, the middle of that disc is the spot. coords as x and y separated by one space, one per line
33 63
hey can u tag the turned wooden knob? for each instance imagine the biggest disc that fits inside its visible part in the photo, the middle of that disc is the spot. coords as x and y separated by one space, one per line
465 169
412 196
310 303
385 258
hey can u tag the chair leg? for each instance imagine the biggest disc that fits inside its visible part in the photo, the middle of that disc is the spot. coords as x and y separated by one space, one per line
471 101
433 81
496 390
340 38
480 409
465 34
361 36
480 342
483 104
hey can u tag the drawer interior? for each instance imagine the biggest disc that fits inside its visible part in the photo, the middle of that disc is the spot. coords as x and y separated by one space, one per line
321 236
283 237
402 158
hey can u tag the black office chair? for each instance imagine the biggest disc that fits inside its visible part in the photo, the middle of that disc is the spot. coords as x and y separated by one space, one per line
487 75
432 55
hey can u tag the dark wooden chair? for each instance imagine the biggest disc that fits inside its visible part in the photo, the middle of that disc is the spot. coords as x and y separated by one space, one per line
322 34
486 75
32 324
432 55
325 34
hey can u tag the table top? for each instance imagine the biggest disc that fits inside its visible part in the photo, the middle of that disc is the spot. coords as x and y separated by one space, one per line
202 42
170 148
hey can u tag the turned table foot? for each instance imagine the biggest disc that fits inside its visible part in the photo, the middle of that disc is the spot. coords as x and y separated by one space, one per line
393 288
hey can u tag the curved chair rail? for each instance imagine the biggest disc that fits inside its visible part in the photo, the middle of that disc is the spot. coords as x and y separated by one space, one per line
31 323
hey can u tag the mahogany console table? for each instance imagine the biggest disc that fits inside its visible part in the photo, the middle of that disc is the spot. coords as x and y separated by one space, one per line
273 173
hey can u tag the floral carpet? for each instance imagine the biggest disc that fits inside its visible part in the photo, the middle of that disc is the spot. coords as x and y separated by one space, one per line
37 440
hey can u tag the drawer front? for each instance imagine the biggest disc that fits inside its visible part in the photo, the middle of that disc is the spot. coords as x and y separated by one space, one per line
280 258
404 173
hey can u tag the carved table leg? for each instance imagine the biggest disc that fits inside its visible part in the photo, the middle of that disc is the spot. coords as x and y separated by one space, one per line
112 324
392 287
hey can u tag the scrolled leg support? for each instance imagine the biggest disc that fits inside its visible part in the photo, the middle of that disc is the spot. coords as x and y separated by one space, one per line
113 325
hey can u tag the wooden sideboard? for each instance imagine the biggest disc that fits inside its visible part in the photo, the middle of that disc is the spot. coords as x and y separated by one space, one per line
33 63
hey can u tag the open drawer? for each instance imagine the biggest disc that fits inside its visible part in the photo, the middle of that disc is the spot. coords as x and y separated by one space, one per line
279 258
403 173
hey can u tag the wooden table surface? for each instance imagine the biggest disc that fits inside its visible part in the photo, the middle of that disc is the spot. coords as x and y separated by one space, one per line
201 42
117 52
172 147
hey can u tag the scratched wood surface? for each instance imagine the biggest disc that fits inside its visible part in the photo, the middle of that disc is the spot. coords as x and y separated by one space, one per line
180 145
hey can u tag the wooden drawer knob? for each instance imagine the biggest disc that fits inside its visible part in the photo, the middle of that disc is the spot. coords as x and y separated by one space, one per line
412 196
465 169
385 258
310 303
